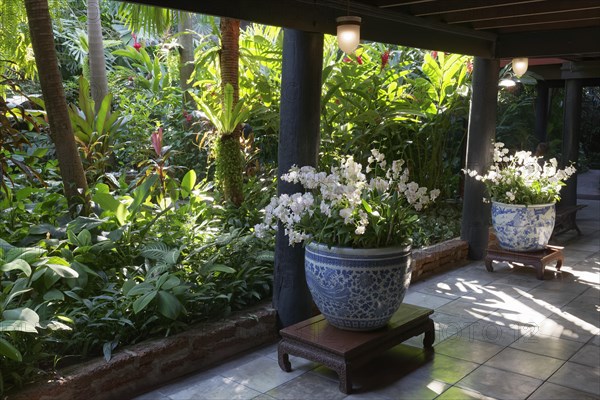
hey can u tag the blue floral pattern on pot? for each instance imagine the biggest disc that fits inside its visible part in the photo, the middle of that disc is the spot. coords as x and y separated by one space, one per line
357 289
523 228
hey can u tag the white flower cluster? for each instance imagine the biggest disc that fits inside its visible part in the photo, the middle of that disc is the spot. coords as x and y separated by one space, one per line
521 178
344 196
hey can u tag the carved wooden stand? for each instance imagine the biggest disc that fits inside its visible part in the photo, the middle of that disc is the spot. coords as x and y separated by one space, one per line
342 351
537 259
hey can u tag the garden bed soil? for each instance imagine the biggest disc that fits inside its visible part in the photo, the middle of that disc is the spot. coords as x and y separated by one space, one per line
141 367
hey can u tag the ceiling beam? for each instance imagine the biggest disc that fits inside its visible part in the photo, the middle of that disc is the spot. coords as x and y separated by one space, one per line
377 25
445 7
557 6
555 18
551 43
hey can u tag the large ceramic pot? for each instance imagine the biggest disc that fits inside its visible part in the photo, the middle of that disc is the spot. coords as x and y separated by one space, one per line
523 228
357 289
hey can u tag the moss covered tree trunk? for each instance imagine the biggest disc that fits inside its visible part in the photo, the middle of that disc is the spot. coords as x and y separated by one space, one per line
230 160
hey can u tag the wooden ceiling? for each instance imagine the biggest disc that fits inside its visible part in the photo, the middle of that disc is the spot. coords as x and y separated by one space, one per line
567 29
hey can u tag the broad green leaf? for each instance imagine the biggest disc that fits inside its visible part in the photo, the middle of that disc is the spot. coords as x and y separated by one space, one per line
84 238
155 251
61 270
28 254
22 314
188 182
221 268
54 294
107 201
8 350
103 113
141 193
143 301
17 264
170 283
142 288
168 305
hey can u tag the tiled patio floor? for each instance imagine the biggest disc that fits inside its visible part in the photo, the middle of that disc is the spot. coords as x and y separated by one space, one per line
503 335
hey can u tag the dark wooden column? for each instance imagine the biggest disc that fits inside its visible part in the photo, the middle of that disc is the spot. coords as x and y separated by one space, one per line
481 132
570 145
541 112
298 144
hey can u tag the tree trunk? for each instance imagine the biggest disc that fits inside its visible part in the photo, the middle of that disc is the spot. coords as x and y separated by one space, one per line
61 132
230 149
186 54
230 55
98 79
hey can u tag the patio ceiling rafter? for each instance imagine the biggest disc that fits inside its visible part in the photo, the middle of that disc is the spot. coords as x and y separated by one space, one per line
492 29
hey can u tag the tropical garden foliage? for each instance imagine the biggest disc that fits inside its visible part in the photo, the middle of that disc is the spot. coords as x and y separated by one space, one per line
156 243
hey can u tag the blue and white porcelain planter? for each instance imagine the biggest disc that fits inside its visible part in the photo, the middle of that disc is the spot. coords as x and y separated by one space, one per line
357 289
523 228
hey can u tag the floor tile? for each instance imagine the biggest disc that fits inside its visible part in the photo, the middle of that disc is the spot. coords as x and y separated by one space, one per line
466 309
547 346
588 355
443 368
551 391
264 374
409 388
447 325
495 332
578 377
567 327
468 349
216 388
307 386
525 363
595 340
425 299
500 384
457 393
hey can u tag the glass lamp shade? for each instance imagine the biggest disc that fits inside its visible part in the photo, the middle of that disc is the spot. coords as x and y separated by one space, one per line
519 66
348 33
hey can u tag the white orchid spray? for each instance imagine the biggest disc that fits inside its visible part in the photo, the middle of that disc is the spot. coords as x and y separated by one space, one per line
520 178
349 207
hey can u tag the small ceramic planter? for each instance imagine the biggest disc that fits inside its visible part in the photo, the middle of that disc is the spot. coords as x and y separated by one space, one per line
357 289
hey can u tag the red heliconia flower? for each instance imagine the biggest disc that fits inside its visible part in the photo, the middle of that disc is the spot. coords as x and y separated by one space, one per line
434 54
136 45
385 57
347 59
469 67
157 137
359 59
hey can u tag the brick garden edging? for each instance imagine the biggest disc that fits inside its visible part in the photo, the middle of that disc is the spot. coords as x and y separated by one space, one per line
140 367
431 260
148 364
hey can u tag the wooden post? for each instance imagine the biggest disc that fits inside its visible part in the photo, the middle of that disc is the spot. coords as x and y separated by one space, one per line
481 132
541 112
570 145
298 144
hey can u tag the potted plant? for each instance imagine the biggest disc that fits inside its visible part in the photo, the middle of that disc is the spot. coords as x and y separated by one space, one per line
523 191
357 225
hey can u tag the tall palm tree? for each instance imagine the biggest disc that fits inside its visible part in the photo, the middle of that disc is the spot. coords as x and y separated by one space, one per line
61 131
186 52
98 79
